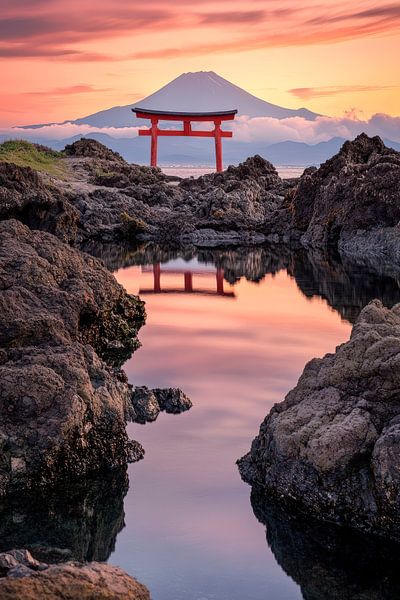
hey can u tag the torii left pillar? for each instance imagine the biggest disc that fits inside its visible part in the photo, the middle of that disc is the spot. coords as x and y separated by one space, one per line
154 142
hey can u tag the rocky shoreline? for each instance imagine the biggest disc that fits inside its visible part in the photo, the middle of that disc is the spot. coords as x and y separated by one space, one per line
331 448
66 327
24 577
349 205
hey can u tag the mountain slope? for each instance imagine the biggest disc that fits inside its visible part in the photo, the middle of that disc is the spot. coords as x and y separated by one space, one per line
202 91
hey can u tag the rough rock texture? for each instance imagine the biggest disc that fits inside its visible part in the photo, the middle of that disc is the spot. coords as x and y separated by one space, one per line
108 168
25 195
147 404
62 406
329 562
332 447
357 189
102 197
355 194
23 577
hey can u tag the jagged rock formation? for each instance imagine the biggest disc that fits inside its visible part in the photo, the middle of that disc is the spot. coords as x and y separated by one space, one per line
350 203
147 404
331 447
357 189
102 197
63 321
25 195
24 577
326 561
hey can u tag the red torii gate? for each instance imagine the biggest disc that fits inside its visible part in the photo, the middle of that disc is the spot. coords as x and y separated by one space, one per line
186 117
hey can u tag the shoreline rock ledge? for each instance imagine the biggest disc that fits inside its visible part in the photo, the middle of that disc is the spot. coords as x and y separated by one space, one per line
21 576
66 326
332 447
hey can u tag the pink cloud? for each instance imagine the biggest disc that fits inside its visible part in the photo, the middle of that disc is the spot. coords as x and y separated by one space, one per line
42 28
307 93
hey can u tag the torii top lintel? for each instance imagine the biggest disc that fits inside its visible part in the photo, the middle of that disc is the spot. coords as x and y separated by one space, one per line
186 117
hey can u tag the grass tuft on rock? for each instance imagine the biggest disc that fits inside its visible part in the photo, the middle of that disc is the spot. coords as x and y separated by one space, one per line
40 158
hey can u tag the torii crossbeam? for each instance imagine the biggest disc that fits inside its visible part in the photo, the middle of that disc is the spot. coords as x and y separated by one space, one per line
187 118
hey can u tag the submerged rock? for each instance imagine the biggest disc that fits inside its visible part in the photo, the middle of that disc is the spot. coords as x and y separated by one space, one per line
62 406
147 404
24 577
332 447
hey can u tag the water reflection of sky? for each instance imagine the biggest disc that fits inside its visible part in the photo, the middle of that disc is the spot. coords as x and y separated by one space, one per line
190 530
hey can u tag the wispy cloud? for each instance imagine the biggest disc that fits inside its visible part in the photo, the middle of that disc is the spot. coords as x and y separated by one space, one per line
308 93
67 90
390 11
45 28
225 18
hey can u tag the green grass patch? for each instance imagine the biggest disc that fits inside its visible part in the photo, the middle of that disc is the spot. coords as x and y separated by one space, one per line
39 158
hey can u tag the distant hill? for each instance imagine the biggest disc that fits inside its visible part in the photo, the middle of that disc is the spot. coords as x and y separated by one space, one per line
202 91
197 151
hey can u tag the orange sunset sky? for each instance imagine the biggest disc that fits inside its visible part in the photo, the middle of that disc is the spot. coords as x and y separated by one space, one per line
62 60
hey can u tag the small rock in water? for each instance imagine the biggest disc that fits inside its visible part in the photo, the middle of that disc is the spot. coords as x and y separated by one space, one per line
147 403
172 400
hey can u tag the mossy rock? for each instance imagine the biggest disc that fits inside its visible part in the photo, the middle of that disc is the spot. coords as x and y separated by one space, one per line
37 157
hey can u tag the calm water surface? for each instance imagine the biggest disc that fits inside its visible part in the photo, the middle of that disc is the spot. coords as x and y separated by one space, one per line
286 172
190 528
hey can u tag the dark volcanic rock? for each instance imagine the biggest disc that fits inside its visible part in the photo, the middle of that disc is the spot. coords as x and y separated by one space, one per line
357 189
147 404
332 447
108 168
329 562
172 400
232 203
26 578
88 148
62 407
25 195
102 197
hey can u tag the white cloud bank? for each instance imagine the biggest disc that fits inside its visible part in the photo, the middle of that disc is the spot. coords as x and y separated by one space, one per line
246 129
63 131
297 129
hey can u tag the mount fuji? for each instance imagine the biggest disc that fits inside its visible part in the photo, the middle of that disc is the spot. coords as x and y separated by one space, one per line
204 91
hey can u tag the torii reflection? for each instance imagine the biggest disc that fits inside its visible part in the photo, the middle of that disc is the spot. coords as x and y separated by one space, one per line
188 285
